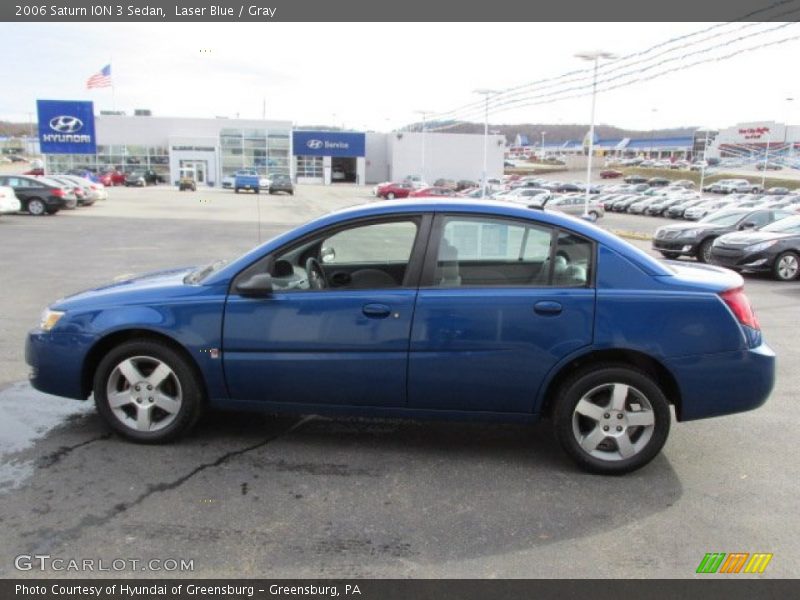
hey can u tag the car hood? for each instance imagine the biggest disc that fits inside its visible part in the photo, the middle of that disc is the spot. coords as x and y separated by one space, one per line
154 286
740 239
686 226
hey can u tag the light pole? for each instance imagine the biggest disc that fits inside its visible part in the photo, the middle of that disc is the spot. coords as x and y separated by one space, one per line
485 93
595 58
543 134
703 164
653 112
766 158
424 114
786 128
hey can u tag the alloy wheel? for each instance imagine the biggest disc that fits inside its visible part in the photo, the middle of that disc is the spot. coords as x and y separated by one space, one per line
787 267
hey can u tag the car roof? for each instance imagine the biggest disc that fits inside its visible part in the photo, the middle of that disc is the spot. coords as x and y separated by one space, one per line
491 208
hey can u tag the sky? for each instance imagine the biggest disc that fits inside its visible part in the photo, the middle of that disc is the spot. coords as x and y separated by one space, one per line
374 76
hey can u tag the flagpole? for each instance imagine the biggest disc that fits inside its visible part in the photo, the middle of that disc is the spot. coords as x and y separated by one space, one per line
113 95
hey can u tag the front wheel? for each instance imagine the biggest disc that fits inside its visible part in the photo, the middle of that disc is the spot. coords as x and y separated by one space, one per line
593 216
611 419
390 196
786 267
704 251
147 392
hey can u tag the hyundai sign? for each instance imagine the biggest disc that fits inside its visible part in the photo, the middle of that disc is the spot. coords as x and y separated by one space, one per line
327 143
66 127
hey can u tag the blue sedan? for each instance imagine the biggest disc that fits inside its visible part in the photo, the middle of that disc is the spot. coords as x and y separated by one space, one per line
423 309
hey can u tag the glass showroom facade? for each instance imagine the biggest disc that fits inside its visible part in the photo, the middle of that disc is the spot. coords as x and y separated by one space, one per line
109 158
267 151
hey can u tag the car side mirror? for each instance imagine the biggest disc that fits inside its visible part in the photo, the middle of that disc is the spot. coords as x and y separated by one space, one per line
258 285
748 225
328 255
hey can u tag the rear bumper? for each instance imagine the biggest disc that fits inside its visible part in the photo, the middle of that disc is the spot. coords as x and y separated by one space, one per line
724 383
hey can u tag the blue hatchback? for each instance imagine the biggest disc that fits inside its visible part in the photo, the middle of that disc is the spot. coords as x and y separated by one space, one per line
427 309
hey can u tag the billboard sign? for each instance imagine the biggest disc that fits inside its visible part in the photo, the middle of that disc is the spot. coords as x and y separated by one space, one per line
66 127
328 143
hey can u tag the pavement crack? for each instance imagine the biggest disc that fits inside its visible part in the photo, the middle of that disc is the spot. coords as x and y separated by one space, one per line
48 460
62 535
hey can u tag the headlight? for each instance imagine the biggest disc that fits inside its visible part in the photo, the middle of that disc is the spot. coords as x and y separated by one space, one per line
690 233
761 246
50 318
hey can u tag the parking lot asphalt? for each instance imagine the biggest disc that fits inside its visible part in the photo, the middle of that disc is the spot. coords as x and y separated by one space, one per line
255 495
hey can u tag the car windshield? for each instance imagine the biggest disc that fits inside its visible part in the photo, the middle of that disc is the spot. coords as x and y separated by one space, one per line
198 275
722 219
788 225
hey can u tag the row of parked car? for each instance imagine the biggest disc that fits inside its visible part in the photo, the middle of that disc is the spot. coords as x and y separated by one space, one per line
39 195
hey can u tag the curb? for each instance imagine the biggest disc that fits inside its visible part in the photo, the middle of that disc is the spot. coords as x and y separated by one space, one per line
632 235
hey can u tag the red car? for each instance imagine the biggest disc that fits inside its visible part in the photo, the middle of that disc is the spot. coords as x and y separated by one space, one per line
610 174
38 172
393 190
110 178
432 192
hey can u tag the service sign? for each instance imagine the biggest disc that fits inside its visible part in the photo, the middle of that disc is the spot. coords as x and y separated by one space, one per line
328 143
66 127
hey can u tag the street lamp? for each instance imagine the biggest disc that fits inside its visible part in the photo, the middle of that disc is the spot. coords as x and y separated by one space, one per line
653 112
766 158
543 134
485 93
595 58
424 114
786 128
705 161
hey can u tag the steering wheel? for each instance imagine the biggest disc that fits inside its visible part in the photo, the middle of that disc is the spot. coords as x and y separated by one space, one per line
315 274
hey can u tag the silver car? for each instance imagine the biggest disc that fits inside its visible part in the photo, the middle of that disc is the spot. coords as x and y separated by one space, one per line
576 205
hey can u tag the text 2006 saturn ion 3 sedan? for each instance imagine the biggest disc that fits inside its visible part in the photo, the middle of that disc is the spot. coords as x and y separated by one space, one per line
434 308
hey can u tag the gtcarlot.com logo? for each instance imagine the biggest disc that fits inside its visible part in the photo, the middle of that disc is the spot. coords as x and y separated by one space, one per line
66 124
735 562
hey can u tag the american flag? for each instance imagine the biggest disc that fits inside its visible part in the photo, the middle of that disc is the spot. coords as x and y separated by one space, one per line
100 79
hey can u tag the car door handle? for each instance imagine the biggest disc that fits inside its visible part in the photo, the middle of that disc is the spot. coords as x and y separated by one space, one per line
376 311
547 307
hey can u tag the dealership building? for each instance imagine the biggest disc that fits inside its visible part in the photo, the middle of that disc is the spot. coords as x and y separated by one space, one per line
211 149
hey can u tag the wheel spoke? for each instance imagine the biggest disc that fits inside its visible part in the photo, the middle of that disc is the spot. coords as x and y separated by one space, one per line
589 409
130 371
164 402
117 399
619 395
159 374
625 447
590 441
143 418
642 418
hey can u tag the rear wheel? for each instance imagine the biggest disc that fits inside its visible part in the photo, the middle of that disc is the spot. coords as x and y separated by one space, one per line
611 419
236 190
593 215
786 267
704 251
36 207
390 196
147 391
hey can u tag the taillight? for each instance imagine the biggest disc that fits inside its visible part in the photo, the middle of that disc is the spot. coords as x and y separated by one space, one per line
58 192
737 301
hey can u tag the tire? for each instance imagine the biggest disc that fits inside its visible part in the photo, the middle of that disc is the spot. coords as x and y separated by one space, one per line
177 402
593 215
704 250
36 207
670 255
236 190
786 267
584 400
390 196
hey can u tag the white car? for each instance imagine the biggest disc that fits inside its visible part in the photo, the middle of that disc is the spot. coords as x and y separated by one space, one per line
264 183
525 195
228 182
9 203
738 185
95 191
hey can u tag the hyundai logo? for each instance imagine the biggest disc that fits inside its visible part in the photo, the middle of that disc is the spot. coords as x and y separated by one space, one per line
66 124
314 144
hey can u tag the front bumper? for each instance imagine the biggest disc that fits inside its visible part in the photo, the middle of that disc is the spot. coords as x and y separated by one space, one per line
683 246
752 262
56 361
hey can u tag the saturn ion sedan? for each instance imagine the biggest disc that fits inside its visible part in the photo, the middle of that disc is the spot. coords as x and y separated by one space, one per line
445 309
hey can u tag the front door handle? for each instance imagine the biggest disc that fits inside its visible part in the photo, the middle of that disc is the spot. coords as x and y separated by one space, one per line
547 307
376 311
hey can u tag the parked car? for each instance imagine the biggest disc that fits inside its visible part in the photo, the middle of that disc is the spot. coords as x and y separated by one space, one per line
773 249
390 191
639 208
280 182
112 178
420 309
432 192
777 191
525 195
738 185
94 190
695 213
676 211
658 182
610 174
660 206
684 183
186 183
80 190
466 184
9 203
38 195
35 171
771 166
228 182
635 179
576 205
622 205
246 179
696 239
445 183
135 179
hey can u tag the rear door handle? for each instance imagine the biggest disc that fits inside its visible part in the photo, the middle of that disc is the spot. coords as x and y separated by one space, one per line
547 307
376 311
